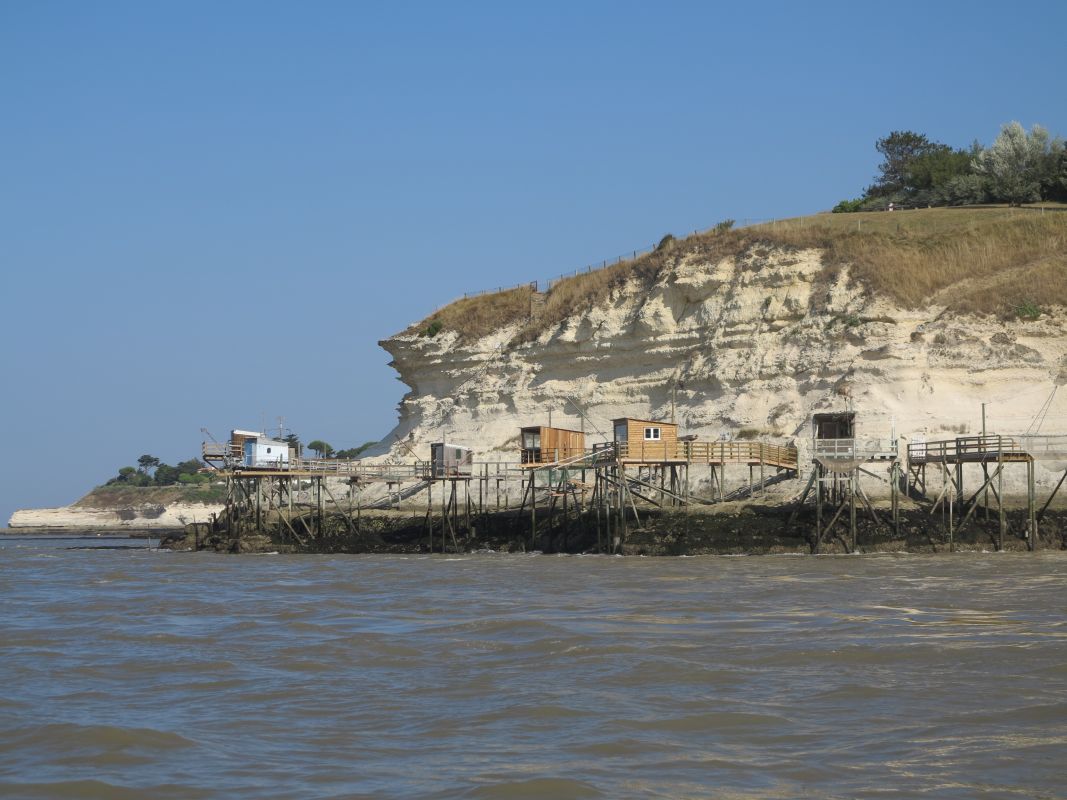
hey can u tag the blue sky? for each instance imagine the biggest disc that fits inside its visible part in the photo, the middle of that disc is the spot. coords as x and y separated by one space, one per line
211 212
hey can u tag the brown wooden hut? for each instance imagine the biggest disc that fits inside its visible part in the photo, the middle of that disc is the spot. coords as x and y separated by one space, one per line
544 445
646 441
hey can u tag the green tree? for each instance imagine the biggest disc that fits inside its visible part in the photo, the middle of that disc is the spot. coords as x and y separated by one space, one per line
166 475
192 466
147 463
848 206
963 190
899 149
320 448
1059 187
1012 164
934 169
130 476
354 452
1052 171
294 442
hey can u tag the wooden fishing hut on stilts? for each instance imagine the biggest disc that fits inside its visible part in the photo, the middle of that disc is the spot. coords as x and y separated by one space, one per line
995 454
838 459
452 466
268 482
647 460
556 463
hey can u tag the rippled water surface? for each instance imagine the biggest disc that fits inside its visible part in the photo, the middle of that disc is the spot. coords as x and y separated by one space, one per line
137 673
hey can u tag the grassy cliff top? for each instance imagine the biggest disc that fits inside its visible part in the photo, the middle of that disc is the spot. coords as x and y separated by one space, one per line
990 259
122 496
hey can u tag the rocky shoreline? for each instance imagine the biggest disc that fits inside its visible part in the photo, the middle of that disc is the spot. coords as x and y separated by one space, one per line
743 529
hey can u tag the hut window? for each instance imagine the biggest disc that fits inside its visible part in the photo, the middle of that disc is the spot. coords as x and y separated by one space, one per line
652 433
268 451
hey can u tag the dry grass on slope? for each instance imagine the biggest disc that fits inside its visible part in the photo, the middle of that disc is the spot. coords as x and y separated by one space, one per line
984 260
971 260
117 496
586 290
475 317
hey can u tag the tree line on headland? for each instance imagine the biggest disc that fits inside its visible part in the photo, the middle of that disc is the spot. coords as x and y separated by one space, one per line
1019 167
151 471
324 449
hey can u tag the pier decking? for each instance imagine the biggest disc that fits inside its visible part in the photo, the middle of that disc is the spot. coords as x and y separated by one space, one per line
968 450
747 453
993 452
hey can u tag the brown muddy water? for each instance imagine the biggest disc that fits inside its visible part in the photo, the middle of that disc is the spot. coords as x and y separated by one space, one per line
133 673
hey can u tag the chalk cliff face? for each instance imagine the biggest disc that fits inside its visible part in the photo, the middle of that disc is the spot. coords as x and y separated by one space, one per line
753 343
134 518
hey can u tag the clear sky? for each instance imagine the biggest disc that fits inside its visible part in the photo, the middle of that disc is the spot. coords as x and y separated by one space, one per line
211 212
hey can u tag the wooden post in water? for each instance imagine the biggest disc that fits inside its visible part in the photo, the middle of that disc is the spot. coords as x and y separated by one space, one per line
1031 502
444 512
818 507
951 496
467 494
1000 502
318 492
429 510
566 523
853 488
453 503
605 504
533 509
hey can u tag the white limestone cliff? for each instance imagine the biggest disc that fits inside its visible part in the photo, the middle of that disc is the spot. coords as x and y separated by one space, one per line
133 518
755 342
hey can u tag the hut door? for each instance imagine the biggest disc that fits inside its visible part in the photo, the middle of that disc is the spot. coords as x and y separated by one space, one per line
532 444
250 449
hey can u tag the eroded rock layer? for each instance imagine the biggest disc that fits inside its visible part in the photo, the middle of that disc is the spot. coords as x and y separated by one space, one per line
752 345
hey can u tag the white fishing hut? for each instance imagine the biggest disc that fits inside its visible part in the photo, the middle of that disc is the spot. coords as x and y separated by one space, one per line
450 460
255 450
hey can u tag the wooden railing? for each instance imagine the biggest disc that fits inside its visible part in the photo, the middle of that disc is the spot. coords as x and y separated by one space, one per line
550 455
854 449
1042 447
742 452
735 452
643 450
835 448
215 451
355 468
963 448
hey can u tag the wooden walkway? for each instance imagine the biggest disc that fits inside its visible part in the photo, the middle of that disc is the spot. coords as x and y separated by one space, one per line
746 453
968 450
